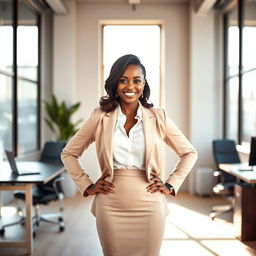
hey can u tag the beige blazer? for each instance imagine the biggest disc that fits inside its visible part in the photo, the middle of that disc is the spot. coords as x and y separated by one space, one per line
158 128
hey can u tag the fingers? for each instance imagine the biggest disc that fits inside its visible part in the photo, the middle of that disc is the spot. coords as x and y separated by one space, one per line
104 190
103 186
155 179
107 183
157 184
156 189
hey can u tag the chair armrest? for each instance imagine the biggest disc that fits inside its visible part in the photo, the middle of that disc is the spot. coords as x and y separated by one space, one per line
58 193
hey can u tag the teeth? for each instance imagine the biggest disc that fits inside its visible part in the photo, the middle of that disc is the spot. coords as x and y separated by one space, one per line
130 93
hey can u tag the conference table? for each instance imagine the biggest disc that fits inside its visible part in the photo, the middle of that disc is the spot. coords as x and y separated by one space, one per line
244 217
11 181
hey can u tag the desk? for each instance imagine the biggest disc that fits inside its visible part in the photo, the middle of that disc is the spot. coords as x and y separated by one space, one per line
10 181
235 170
245 199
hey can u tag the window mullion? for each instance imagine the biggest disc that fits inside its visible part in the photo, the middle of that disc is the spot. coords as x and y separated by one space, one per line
225 74
15 77
240 91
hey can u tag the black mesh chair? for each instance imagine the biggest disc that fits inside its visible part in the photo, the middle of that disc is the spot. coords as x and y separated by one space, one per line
45 193
224 152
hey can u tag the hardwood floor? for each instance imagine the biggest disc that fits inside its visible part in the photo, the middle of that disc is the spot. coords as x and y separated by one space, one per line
189 231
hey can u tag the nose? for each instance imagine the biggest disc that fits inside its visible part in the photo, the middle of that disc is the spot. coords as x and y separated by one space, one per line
130 84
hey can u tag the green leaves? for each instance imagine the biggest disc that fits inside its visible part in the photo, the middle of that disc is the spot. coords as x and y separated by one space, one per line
59 118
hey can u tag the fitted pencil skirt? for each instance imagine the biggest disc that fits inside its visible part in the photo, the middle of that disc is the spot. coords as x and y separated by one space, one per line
130 221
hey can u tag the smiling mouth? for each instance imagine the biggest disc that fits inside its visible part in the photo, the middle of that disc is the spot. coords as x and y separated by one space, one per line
129 94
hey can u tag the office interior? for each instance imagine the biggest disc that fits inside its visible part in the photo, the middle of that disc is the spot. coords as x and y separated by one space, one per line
207 86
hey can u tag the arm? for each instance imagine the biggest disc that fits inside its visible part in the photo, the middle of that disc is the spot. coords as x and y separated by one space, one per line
185 151
74 149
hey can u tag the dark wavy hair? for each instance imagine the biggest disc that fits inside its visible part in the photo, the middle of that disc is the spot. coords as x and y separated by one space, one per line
109 102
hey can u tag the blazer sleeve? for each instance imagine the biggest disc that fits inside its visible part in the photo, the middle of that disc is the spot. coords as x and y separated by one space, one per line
74 149
185 151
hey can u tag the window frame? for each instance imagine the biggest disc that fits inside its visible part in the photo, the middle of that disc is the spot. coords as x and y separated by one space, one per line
159 23
15 77
240 4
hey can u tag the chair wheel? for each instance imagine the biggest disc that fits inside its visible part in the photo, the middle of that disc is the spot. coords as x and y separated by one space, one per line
34 234
2 231
212 215
62 228
60 219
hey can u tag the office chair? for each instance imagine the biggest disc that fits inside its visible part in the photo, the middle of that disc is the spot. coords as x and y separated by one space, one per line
45 193
224 152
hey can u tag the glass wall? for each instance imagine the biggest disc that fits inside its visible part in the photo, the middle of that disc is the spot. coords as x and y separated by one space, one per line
19 80
249 71
232 81
27 83
6 74
240 75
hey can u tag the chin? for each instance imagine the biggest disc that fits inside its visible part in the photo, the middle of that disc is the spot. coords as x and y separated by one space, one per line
129 101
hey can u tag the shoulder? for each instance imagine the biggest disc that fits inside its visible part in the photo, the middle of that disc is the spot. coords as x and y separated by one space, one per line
97 113
158 113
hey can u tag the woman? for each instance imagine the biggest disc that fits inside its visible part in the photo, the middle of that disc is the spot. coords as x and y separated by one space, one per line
130 204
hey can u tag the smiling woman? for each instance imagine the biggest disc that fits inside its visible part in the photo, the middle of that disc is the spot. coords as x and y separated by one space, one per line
129 204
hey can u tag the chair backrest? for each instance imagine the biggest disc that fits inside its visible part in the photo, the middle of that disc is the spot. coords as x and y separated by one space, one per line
225 152
51 152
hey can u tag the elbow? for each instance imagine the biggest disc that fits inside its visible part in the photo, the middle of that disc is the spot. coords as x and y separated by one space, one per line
195 152
62 156
66 155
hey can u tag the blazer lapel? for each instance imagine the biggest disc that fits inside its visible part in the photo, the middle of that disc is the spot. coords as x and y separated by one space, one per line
149 131
109 121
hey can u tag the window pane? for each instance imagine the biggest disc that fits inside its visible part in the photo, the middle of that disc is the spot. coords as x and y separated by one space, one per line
233 43
130 39
27 117
249 105
6 111
232 108
249 36
27 43
6 36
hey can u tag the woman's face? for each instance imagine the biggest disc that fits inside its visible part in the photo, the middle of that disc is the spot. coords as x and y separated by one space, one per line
131 85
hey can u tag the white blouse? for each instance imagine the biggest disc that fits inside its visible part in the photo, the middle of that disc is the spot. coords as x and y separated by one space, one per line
129 151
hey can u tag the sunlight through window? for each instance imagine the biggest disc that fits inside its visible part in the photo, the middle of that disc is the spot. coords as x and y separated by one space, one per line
140 40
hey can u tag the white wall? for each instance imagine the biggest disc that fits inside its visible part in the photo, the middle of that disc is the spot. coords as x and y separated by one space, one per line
190 83
64 55
204 87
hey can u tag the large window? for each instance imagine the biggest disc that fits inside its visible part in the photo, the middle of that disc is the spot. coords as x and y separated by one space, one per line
240 71
19 76
119 40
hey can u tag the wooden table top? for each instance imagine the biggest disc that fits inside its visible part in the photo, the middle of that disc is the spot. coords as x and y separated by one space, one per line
242 171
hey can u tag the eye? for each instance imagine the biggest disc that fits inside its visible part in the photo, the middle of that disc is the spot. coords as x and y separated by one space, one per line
122 81
137 81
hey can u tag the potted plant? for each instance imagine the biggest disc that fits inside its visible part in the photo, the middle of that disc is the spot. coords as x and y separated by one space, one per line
59 118
59 122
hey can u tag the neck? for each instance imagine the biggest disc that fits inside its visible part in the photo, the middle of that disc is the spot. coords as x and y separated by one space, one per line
129 109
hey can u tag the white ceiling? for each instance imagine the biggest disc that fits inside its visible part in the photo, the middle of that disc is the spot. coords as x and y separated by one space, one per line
126 1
